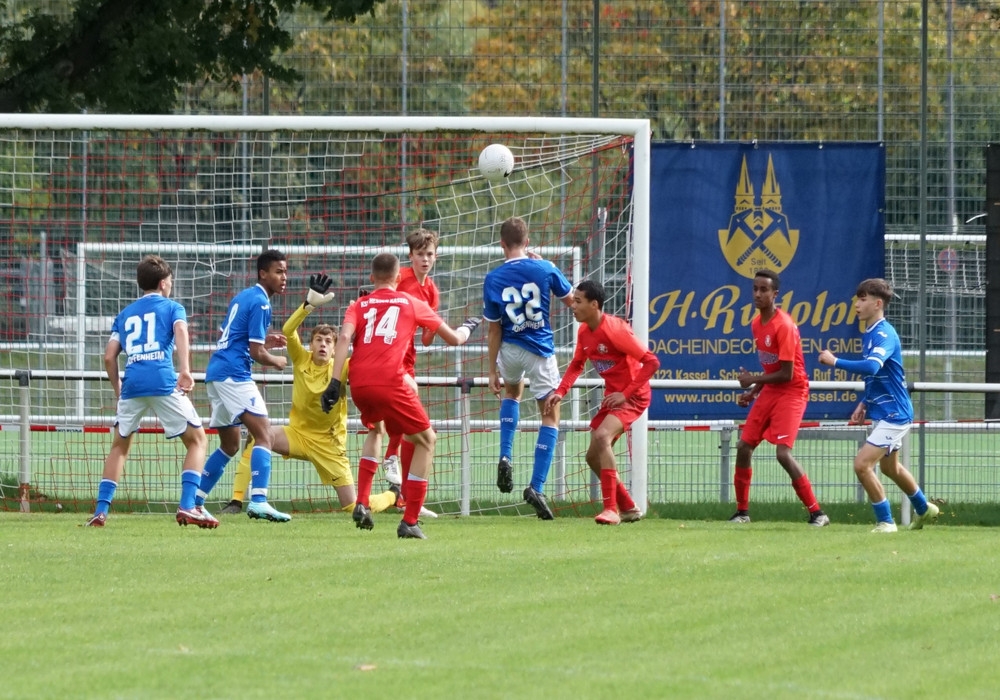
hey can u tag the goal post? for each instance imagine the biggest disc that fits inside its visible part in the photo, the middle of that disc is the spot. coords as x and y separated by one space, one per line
82 197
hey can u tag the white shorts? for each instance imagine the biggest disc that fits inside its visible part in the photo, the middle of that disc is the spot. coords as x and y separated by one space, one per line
230 400
175 411
514 363
888 436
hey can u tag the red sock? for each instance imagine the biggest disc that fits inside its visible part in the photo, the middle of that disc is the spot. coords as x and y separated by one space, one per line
623 498
366 474
741 482
405 460
609 481
416 494
393 449
804 490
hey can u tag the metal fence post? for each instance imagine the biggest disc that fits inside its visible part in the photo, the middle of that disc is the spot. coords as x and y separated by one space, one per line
24 473
725 473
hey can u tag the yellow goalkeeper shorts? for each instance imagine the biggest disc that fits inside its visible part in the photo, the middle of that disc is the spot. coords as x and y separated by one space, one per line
327 451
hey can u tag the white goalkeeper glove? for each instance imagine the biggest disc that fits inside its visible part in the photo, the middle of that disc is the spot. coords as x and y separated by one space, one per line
319 291
468 325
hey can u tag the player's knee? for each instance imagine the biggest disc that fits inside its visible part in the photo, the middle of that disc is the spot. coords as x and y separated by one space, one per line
862 467
194 438
743 451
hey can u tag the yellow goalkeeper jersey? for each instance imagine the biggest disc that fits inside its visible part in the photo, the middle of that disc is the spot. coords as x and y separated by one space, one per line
308 384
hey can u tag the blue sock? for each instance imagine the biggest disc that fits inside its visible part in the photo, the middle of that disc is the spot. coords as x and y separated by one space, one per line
215 465
260 473
545 449
510 414
105 494
883 511
919 501
190 481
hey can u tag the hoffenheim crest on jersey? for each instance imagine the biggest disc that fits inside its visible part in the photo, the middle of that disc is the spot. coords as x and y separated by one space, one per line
759 234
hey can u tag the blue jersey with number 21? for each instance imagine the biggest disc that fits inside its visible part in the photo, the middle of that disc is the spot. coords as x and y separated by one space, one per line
518 294
247 321
145 331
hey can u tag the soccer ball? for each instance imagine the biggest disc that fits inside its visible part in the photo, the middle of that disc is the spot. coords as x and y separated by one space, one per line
496 162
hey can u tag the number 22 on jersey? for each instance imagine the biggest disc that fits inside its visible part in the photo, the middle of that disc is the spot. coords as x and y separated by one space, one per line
523 304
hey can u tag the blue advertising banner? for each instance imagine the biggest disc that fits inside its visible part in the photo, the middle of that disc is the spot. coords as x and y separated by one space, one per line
813 213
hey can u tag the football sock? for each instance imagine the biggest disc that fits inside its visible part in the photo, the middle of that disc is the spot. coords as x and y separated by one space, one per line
622 497
381 501
366 475
741 483
919 501
510 414
215 465
393 449
416 493
804 490
190 481
241 479
609 483
105 494
545 448
405 460
883 512
349 508
260 473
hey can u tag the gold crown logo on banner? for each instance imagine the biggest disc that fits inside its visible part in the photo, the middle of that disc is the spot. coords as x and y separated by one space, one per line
758 235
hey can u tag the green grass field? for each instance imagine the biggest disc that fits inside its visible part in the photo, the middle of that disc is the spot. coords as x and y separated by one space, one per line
496 607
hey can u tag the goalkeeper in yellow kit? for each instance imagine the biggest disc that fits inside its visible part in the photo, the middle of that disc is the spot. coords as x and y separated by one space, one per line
312 434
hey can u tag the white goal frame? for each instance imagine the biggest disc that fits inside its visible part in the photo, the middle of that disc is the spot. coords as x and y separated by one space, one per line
636 129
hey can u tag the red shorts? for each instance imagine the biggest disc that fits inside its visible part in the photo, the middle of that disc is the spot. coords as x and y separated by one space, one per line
398 406
627 413
775 416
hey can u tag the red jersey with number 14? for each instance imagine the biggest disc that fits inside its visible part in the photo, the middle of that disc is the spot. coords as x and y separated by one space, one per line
384 323
778 341
617 355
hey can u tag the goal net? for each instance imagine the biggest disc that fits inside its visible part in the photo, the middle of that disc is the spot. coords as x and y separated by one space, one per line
82 198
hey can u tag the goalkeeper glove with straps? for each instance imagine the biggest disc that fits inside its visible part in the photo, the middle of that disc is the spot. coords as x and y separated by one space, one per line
468 325
319 291
330 395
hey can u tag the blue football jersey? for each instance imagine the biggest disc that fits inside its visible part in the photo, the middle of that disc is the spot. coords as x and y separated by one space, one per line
247 321
145 331
518 294
885 391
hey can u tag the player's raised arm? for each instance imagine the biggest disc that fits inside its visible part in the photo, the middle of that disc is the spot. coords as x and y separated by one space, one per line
460 335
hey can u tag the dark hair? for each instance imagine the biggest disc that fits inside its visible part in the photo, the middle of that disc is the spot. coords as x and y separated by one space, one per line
876 287
151 270
593 291
420 238
771 275
514 232
385 267
268 258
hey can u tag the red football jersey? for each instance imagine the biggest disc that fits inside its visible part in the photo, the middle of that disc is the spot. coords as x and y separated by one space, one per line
384 323
617 355
427 291
778 341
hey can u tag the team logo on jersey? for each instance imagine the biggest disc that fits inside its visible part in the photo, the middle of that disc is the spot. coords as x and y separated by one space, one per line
767 341
602 348
759 234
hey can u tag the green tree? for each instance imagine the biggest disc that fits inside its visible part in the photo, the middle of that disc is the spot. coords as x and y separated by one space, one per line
132 55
